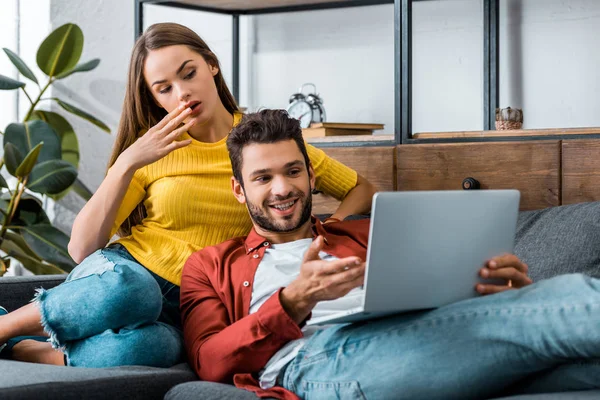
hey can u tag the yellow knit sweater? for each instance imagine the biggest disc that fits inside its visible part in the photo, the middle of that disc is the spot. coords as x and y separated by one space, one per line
189 203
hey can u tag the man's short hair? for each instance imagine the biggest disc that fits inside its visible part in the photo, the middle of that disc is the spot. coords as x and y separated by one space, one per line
263 127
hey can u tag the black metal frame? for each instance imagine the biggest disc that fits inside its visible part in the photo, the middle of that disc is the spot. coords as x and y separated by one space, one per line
402 62
491 54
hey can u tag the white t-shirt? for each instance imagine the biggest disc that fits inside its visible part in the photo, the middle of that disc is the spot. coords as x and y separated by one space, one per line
278 268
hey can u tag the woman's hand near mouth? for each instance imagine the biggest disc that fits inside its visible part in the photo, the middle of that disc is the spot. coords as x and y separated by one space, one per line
160 140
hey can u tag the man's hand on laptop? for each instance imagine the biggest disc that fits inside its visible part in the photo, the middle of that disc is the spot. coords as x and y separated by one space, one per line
506 268
319 281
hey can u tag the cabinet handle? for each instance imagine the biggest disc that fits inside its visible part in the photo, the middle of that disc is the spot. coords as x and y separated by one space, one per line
470 184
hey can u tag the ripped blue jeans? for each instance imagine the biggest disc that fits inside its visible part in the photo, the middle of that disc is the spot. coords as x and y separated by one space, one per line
112 311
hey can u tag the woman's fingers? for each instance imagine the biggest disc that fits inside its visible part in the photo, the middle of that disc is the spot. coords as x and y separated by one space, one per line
168 118
179 131
177 145
175 122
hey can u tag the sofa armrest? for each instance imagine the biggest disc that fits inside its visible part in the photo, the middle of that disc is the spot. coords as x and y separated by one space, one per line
16 291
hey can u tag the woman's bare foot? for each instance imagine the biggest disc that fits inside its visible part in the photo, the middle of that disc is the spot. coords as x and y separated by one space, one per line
37 352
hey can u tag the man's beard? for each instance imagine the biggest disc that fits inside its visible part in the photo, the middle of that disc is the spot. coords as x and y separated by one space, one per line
261 217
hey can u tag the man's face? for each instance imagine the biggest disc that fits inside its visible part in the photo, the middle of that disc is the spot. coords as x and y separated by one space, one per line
277 186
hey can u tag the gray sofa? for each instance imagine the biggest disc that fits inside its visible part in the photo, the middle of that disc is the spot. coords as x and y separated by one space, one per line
552 241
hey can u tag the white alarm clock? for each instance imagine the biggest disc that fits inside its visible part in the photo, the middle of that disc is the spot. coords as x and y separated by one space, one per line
306 108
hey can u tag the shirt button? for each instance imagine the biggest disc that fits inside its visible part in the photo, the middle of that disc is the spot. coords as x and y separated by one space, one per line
266 243
246 283
255 256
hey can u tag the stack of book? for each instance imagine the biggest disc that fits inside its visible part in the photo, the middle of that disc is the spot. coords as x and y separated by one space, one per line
323 129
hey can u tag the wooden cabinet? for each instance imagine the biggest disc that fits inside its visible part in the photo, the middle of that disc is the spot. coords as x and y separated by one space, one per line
546 172
580 171
532 167
376 164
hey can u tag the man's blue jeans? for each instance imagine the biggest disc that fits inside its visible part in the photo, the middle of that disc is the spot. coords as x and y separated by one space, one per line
112 311
471 349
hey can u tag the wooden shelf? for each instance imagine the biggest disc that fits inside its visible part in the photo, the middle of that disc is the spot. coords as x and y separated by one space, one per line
508 133
254 5
351 138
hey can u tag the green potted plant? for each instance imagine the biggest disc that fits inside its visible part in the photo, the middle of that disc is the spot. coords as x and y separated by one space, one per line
42 154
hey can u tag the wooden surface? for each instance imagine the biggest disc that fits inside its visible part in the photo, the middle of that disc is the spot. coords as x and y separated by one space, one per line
327 132
354 138
507 133
580 171
376 164
345 125
531 167
253 4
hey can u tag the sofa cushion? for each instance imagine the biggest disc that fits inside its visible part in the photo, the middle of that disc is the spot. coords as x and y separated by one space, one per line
16 291
20 380
560 240
208 391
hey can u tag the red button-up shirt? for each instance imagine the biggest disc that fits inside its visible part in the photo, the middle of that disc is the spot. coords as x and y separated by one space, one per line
225 343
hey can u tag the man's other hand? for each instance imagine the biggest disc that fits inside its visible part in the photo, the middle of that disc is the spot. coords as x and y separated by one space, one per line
320 280
507 268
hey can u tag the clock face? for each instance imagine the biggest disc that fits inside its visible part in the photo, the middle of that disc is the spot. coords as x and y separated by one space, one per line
301 111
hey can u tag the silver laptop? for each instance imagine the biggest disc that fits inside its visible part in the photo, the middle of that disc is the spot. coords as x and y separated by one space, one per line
426 249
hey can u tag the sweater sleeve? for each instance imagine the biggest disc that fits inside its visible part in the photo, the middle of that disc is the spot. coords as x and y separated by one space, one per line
332 177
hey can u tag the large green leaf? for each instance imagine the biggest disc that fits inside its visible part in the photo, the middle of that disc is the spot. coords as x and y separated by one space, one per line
87 66
21 66
29 161
51 177
29 210
34 264
61 50
3 183
83 114
23 246
12 158
68 138
7 83
82 190
49 243
25 136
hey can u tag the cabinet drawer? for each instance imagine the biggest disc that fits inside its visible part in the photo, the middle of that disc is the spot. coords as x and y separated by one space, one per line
531 167
580 171
376 164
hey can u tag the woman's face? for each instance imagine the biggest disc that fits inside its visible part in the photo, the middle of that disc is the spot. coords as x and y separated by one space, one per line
177 75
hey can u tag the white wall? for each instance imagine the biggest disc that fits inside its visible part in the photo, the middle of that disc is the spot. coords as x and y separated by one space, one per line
549 63
447 66
8 38
108 31
346 53
23 25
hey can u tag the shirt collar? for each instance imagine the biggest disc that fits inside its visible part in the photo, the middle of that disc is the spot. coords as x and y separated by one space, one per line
255 241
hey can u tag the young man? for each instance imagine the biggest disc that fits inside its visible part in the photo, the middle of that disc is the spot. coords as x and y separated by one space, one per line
245 302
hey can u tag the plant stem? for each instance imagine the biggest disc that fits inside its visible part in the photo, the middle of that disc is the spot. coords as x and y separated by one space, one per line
18 199
33 104
27 94
12 207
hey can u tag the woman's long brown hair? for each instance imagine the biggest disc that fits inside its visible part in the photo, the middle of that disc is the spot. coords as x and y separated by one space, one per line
140 111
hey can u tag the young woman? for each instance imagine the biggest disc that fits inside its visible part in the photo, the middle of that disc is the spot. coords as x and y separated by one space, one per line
168 194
